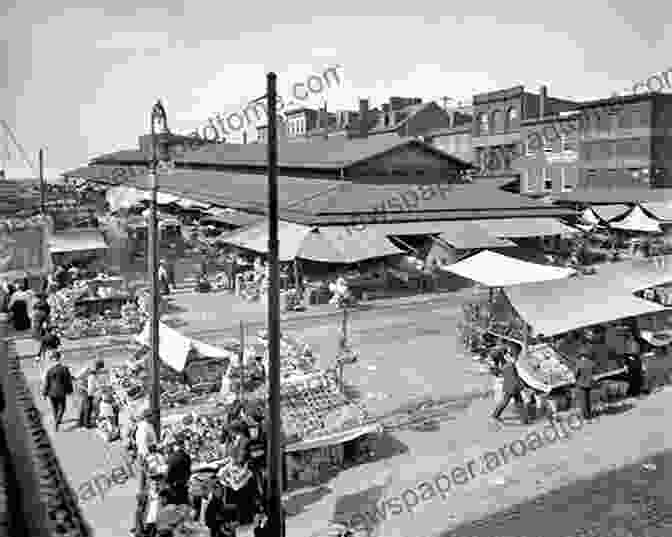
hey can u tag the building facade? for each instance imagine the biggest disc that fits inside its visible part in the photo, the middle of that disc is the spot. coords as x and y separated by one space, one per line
496 126
617 142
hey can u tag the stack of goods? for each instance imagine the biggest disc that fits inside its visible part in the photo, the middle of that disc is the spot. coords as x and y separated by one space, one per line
296 356
312 465
200 381
315 407
202 436
64 316
542 368
233 475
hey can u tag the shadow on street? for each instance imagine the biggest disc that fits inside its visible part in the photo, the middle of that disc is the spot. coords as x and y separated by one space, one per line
633 500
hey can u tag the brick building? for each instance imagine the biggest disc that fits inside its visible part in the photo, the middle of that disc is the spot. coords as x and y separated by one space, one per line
618 142
496 126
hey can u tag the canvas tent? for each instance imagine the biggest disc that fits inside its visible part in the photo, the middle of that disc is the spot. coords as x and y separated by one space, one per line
638 221
332 244
497 270
174 347
557 307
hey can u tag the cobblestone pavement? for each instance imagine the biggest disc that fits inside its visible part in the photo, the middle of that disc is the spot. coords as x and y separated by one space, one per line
632 501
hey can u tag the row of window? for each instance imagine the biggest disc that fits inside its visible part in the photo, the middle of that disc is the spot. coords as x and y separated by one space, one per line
543 178
297 127
605 150
496 122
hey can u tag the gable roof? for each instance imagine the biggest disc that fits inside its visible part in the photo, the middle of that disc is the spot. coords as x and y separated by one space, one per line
332 153
411 112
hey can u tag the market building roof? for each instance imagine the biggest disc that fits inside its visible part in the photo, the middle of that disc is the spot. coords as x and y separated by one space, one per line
332 153
607 196
342 202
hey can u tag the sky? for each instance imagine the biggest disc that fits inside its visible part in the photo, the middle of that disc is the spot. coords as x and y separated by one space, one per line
80 81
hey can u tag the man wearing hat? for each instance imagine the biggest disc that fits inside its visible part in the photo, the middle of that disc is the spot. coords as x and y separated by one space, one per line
512 389
179 471
57 386
584 383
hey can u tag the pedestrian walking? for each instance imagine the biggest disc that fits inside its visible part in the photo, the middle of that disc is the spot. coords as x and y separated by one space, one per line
57 386
584 383
512 389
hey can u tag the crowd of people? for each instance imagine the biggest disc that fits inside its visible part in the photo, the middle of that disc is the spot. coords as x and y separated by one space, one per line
166 478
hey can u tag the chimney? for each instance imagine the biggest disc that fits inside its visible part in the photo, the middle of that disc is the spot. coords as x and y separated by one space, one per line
543 96
364 118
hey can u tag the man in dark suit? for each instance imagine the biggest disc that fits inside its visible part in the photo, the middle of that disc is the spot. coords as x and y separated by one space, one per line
584 383
179 472
512 389
57 386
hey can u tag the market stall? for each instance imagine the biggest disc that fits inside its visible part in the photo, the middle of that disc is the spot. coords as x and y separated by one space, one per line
95 307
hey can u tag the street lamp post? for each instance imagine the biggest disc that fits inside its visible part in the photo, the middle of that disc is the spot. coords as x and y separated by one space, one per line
158 119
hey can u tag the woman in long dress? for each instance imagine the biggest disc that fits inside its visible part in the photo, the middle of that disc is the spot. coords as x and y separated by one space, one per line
19 307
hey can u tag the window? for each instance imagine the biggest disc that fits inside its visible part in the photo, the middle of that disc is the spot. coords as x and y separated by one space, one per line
483 124
511 117
547 179
530 180
498 121
565 184
568 142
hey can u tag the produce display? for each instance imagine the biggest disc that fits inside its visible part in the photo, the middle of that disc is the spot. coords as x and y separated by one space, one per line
543 368
202 435
200 381
64 316
315 407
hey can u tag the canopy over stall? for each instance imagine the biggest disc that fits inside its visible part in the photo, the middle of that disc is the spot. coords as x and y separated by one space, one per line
557 307
497 270
334 244
76 241
662 210
519 228
606 213
174 347
636 220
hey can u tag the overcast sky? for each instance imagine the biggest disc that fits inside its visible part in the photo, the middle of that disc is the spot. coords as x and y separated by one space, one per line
81 81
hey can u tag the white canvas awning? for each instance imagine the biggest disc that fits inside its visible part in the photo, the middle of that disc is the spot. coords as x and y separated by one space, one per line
637 220
590 217
331 244
519 228
557 307
497 270
174 347
76 241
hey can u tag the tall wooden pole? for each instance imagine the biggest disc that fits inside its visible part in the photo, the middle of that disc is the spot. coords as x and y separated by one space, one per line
42 184
153 269
241 357
275 454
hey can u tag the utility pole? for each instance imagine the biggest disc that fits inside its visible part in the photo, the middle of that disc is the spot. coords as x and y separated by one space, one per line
275 452
42 185
158 116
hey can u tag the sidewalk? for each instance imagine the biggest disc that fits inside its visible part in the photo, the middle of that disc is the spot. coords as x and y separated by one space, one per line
597 447
202 313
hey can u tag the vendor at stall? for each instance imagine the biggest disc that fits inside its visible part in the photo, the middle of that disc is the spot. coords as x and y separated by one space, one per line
635 374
